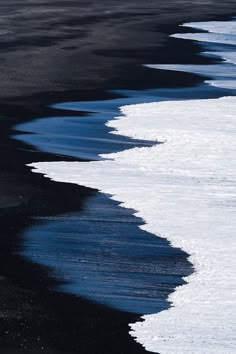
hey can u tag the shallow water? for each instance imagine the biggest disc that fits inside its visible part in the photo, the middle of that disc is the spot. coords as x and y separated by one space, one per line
103 255
186 192
86 137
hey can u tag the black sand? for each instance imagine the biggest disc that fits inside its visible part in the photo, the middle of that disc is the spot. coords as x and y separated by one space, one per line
57 51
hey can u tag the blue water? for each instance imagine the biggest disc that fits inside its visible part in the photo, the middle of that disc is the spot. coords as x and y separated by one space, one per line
86 137
101 253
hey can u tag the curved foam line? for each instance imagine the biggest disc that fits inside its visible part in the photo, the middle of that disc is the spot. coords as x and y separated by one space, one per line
184 189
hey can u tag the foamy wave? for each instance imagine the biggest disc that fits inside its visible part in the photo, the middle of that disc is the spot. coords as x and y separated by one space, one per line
208 37
226 84
224 27
217 70
184 189
229 57
223 33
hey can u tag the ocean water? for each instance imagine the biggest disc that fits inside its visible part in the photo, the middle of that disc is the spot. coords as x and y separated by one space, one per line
102 254
184 191
56 242
88 137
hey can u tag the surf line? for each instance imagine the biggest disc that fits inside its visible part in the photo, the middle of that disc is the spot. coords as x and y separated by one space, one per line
184 191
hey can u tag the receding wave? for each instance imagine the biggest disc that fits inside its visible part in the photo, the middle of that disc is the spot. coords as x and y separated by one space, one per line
224 35
184 190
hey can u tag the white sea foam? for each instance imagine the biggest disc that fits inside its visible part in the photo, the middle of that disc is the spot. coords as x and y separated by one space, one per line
223 73
216 70
184 189
221 32
207 37
229 57
224 27
226 84
217 32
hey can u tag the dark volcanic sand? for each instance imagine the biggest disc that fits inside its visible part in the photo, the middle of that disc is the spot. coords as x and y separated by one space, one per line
57 51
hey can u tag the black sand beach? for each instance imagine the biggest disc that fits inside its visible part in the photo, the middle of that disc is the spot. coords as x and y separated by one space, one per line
62 51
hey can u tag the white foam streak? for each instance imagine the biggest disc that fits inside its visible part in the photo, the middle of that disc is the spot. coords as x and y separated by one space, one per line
183 189
207 37
229 57
219 32
225 84
223 27
217 70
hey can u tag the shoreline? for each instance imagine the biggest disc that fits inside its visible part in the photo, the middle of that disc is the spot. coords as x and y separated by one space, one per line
21 278
199 170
